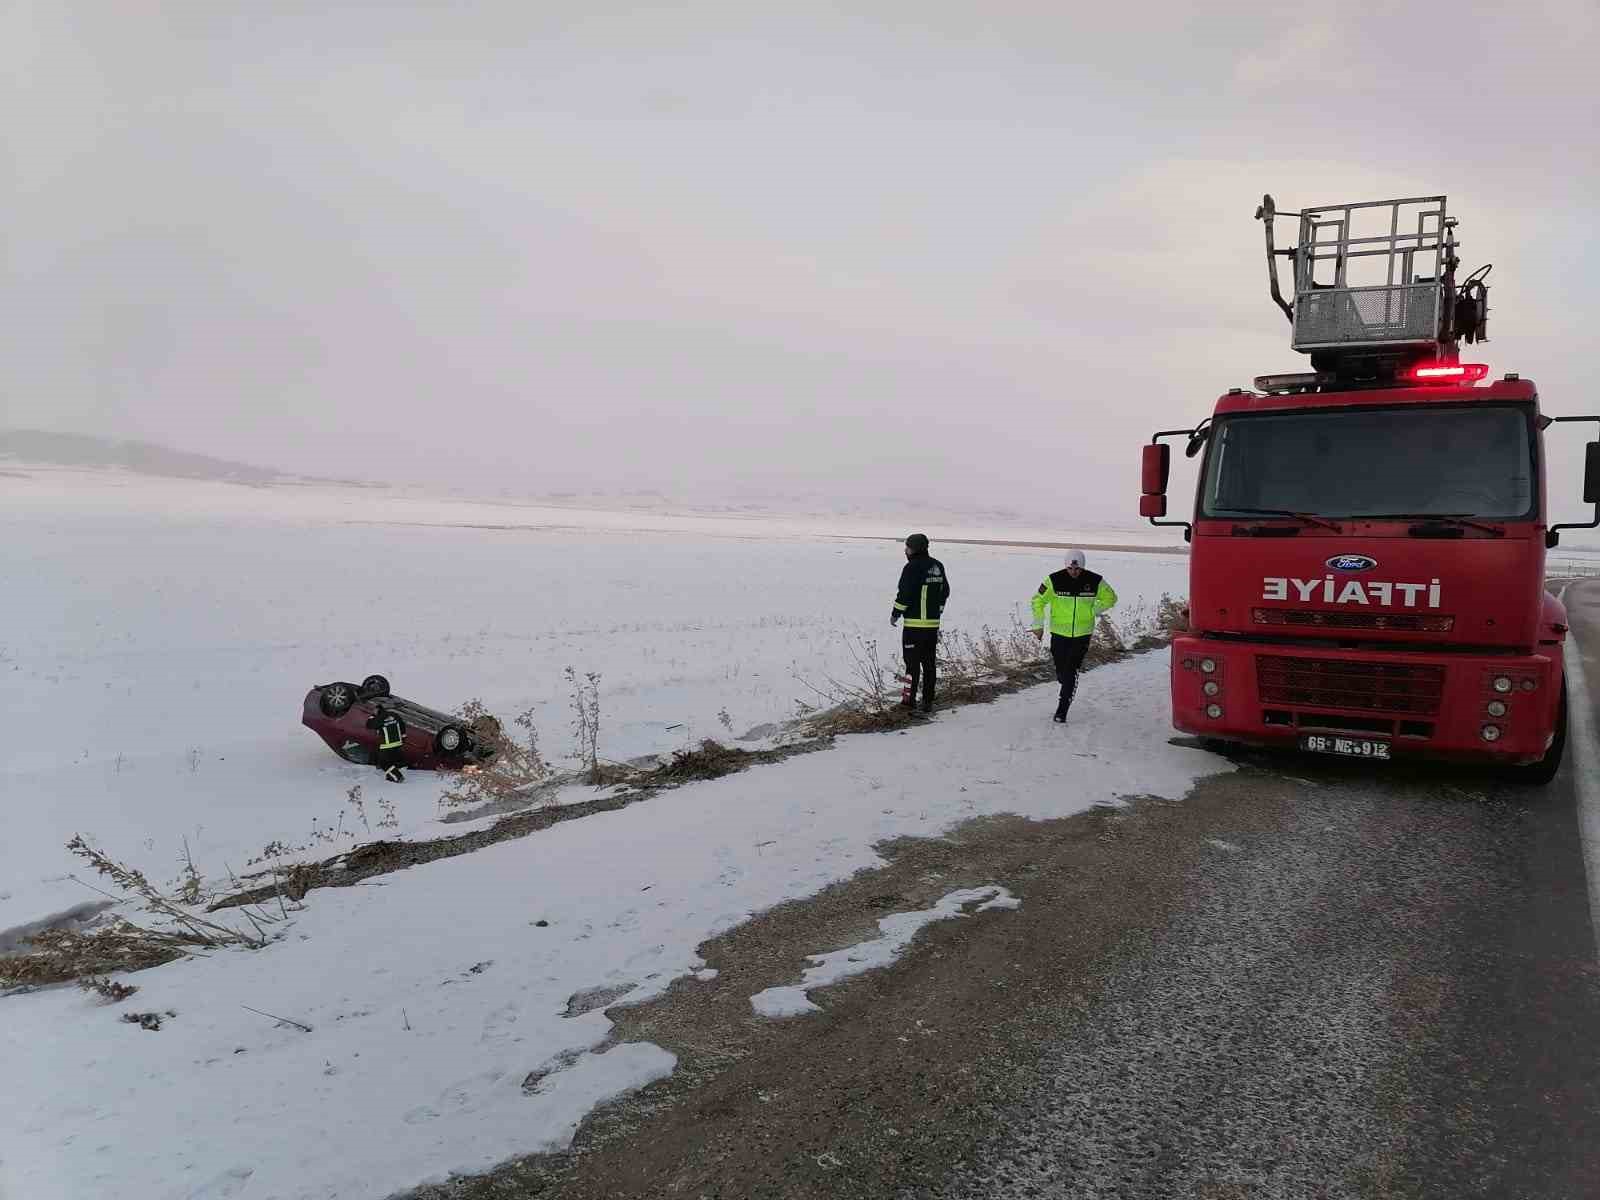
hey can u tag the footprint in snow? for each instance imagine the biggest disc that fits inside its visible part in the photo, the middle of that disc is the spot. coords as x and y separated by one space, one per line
224 1186
497 1026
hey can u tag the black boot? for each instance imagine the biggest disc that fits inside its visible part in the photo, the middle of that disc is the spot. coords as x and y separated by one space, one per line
393 775
1061 715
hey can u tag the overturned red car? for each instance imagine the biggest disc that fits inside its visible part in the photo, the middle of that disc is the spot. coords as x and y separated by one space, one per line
339 713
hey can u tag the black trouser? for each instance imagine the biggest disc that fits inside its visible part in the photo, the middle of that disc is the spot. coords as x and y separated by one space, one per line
921 646
1068 654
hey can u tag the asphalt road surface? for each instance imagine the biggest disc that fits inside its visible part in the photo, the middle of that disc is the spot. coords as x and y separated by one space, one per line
1306 979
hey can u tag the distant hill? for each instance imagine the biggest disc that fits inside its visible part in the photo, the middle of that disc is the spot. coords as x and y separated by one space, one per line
145 458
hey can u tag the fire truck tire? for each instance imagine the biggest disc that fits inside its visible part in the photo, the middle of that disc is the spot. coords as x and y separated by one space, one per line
1545 769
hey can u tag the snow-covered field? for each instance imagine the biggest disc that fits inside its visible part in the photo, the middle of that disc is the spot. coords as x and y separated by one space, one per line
159 640
160 637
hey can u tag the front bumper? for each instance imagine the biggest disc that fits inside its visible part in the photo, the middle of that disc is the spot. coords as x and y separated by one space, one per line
1423 704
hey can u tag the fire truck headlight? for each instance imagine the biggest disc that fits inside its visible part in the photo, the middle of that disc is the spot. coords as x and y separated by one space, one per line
1188 664
1497 708
1502 683
1211 687
1490 733
1214 711
1208 665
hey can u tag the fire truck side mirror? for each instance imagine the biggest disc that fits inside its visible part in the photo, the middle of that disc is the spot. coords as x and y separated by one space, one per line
1155 467
1591 486
1152 506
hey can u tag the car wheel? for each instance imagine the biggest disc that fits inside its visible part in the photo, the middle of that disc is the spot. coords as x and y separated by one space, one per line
337 699
375 685
354 752
451 740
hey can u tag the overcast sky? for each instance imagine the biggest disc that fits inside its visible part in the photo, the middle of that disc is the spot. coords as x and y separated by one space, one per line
973 253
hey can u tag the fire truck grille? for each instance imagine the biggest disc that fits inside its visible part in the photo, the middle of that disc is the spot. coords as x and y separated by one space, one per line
1331 683
1327 619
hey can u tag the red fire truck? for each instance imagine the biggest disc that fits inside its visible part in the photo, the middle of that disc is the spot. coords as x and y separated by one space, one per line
1367 546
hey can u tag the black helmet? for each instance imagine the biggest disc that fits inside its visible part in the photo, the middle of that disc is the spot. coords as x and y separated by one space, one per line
917 543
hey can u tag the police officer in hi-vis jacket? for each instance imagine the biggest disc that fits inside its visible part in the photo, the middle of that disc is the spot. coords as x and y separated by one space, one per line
1072 598
924 591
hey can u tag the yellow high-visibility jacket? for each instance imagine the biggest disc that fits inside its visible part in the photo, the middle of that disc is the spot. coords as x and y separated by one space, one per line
1071 604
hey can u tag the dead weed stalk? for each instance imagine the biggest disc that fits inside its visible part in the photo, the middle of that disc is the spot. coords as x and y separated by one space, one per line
516 767
62 954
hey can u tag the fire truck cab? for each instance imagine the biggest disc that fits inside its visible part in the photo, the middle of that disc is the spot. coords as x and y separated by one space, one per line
1367 544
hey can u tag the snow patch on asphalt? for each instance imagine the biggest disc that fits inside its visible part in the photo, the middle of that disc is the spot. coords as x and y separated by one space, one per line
898 930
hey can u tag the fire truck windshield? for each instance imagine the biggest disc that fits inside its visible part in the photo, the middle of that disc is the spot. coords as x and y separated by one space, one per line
1468 461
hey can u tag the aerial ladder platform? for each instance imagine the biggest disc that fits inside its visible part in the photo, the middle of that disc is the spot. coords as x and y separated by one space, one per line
1375 296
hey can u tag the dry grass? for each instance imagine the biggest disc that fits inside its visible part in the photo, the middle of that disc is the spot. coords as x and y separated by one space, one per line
974 668
709 760
62 955
91 955
191 928
516 768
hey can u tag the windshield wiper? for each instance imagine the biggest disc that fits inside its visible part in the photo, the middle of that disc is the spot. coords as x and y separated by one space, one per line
1458 519
1284 512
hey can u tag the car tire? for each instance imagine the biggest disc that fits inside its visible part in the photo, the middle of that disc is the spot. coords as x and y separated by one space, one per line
452 739
337 699
375 685
1543 771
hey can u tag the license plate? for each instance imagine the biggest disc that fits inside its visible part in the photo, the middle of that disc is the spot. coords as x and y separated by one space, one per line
1349 747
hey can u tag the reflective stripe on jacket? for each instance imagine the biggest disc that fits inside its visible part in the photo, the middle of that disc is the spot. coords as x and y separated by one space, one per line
1073 604
923 593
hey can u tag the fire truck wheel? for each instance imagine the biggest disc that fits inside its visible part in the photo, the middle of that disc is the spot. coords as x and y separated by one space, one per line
1545 769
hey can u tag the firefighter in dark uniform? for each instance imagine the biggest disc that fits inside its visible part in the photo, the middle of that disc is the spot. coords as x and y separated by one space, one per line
1071 599
924 591
391 739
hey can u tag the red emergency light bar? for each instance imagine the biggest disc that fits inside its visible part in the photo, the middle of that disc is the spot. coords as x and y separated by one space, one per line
1449 373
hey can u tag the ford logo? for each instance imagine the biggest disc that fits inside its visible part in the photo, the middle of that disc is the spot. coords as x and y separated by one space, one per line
1352 562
